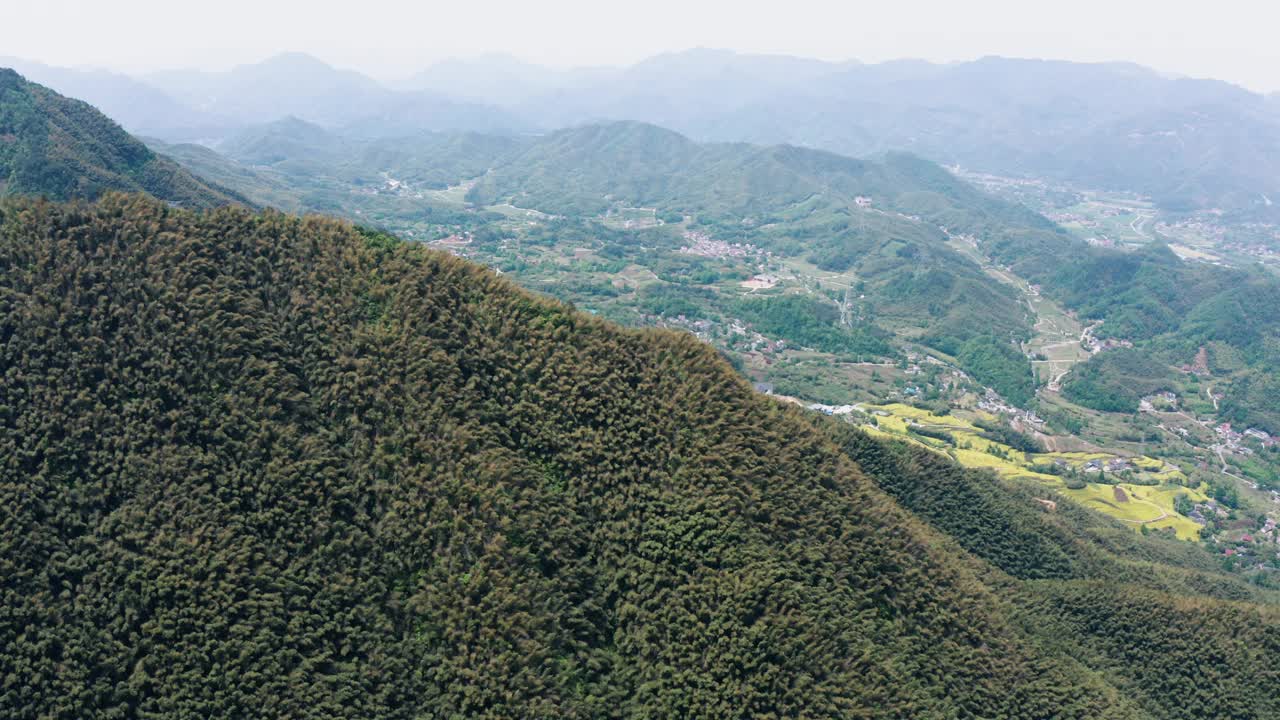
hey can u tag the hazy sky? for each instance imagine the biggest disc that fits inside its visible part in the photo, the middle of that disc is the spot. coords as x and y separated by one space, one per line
1236 40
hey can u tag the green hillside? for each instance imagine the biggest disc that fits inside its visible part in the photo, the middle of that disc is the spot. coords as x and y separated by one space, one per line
63 148
280 467
585 169
262 187
886 220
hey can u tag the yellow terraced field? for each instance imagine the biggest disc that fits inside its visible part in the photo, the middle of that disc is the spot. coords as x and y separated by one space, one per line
1102 497
1183 527
922 416
977 458
1151 506
1145 507
879 432
892 424
1175 477
1075 458
1165 494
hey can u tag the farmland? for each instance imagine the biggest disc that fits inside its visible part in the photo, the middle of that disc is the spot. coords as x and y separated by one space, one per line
1147 485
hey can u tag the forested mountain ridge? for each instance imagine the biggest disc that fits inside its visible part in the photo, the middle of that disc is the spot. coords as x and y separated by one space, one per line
63 148
581 169
271 466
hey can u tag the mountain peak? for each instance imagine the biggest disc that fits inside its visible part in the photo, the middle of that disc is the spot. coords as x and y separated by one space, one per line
292 61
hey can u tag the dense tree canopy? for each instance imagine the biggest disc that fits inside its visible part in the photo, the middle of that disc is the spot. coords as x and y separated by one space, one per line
260 466
1000 365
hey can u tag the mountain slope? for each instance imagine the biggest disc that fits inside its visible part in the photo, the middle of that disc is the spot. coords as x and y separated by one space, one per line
1170 308
283 467
261 188
52 145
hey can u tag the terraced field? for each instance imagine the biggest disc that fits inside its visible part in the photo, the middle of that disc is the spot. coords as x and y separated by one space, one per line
1136 503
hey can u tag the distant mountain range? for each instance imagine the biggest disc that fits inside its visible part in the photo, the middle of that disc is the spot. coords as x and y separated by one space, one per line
1190 144
880 217
63 148
184 105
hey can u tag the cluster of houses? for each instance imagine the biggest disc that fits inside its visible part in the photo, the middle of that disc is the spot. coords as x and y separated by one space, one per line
1097 345
1263 253
703 245
1166 400
454 240
1233 441
1201 512
760 281
752 341
391 186
994 404
1200 228
1268 532
1111 465
1246 548
831 409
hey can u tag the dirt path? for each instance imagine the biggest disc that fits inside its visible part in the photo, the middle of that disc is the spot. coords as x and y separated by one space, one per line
1176 435
1208 390
1226 469
1163 514
1139 223
1055 385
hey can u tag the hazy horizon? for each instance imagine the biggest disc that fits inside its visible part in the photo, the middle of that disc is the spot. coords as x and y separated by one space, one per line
391 40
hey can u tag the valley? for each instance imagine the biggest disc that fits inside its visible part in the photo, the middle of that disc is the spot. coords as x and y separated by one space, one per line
830 328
